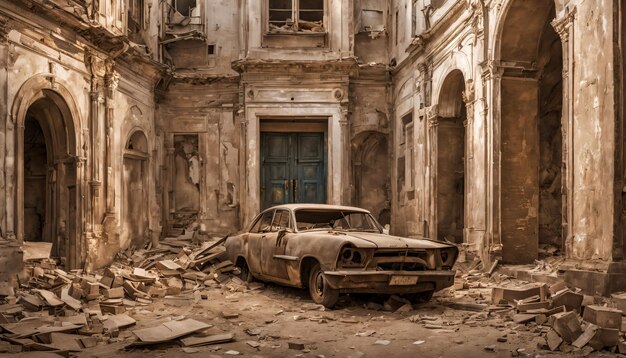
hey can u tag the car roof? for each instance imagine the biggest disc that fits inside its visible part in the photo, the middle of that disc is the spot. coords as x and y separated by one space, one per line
317 207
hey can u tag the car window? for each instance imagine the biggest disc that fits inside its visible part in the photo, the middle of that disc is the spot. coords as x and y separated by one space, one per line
311 219
264 223
281 220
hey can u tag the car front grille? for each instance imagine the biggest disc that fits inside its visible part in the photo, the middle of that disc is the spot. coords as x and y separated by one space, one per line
403 260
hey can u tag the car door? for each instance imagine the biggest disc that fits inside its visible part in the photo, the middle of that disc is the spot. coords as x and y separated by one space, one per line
256 236
273 260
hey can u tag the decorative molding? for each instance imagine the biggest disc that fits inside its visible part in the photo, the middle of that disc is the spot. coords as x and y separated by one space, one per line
5 28
562 25
345 65
469 95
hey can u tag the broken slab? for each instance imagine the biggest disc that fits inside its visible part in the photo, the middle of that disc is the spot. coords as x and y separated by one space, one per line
587 335
553 340
567 326
168 331
204 341
604 317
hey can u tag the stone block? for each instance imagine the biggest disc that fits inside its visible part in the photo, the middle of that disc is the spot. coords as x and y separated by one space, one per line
604 317
557 287
524 307
571 300
512 294
117 292
553 340
567 326
619 300
604 338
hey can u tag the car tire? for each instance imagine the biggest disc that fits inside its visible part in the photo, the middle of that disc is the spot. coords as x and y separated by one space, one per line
246 275
321 293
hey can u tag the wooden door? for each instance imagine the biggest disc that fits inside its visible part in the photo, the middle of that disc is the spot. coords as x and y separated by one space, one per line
293 168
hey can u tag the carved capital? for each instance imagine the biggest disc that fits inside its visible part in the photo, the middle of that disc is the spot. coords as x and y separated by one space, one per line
562 25
469 95
432 112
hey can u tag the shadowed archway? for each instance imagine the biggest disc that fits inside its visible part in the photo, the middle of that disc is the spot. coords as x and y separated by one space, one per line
531 138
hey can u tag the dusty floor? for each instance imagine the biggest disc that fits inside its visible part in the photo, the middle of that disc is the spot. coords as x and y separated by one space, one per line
275 316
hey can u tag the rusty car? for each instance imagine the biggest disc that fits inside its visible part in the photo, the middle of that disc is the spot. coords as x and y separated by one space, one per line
333 249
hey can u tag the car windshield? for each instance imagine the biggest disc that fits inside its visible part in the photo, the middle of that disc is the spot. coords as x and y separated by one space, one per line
310 219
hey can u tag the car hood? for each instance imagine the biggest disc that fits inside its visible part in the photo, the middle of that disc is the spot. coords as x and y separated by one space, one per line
382 241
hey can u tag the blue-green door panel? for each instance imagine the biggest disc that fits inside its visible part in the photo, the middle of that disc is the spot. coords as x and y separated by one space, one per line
293 168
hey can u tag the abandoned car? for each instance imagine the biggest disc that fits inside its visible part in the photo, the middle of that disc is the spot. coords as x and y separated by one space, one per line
339 249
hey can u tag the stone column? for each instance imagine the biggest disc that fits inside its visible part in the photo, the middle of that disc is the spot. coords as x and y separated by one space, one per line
111 79
5 196
469 98
432 115
564 28
345 153
491 78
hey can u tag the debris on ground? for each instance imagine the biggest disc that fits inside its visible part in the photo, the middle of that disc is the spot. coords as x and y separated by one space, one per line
59 311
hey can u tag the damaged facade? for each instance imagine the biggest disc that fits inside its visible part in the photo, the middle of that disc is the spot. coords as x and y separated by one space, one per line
495 124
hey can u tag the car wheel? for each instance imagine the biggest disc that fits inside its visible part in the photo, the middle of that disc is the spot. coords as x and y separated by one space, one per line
421 297
246 275
320 291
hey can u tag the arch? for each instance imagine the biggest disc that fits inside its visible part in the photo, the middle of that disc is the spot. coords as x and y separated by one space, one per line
458 61
137 141
135 190
529 54
450 159
369 152
450 102
52 104
506 8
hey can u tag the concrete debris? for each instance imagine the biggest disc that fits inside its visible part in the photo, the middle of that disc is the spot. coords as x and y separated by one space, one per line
82 309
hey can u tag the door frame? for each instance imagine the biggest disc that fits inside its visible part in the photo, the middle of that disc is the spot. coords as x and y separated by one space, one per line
337 168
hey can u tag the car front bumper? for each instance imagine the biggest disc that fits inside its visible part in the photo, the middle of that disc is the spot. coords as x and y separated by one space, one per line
353 281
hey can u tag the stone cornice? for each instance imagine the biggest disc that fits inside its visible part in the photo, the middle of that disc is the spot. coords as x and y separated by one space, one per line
347 65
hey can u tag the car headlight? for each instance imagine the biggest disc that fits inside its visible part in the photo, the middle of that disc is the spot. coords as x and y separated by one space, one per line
352 257
448 257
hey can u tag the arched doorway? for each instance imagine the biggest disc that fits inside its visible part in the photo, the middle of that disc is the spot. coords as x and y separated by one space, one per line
370 166
451 159
135 191
531 138
47 178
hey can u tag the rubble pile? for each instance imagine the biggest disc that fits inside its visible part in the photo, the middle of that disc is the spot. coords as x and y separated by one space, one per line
565 319
59 311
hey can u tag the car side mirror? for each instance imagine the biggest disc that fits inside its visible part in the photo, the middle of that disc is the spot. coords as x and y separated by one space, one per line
386 229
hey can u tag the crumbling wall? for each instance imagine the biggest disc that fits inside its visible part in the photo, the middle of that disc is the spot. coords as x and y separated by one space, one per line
370 146
202 139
